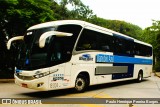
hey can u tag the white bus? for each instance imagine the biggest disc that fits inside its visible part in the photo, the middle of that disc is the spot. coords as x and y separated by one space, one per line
76 54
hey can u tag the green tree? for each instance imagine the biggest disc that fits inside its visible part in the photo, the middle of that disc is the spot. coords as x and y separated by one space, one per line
4 5
79 11
152 35
15 17
20 14
119 26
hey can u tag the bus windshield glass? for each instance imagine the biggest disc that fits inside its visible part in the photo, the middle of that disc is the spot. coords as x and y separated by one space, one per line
30 54
56 50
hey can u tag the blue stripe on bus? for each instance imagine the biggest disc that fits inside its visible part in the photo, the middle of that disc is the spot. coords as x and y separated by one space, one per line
103 58
131 60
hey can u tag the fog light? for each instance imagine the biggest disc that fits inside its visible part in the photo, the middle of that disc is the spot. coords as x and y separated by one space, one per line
40 84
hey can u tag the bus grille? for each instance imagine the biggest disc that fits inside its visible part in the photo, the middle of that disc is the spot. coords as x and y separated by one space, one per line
25 77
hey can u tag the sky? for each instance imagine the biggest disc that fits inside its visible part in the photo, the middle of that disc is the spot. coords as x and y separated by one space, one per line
138 12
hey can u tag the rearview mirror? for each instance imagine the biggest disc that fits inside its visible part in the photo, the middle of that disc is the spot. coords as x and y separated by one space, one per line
13 39
45 35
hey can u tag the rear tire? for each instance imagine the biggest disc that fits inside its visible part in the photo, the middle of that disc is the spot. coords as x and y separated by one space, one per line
140 76
81 83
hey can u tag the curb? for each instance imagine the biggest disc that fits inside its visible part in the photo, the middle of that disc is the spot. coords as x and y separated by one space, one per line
6 80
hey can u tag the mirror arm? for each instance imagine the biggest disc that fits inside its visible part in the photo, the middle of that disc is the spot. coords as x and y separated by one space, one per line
13 39
45 35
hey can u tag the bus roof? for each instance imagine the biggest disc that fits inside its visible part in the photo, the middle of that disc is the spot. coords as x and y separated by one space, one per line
83 24
57 23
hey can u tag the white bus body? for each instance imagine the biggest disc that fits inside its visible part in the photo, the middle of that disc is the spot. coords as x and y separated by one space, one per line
78 54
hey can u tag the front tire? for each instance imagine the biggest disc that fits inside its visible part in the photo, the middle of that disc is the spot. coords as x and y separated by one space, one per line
81 83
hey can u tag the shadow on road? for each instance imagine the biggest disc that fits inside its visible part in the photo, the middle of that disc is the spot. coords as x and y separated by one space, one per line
114 84
49 94
63 92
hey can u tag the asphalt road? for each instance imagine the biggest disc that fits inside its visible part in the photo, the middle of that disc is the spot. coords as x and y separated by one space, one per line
149 88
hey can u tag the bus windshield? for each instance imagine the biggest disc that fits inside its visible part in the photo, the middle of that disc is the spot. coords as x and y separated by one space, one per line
56 50
30 54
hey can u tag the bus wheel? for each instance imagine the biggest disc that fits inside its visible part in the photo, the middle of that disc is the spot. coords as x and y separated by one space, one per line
81 83
140 76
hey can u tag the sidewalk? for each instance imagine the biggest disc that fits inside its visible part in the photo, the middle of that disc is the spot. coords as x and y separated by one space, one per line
6 80
157 74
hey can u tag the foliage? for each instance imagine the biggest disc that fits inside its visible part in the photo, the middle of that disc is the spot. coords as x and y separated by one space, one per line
152 36
119 26
17 15
20 14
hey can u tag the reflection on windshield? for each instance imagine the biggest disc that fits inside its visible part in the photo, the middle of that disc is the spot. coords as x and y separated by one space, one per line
31 56
57 50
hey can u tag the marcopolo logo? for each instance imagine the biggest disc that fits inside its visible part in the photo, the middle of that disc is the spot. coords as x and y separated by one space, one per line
86 57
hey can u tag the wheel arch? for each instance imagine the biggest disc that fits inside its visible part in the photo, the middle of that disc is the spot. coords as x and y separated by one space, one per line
82 81
86 74
140 76
140 71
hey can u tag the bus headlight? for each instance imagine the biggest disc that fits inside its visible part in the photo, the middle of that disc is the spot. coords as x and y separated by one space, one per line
40 75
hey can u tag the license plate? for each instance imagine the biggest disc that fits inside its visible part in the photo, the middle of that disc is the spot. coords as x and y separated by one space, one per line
24 85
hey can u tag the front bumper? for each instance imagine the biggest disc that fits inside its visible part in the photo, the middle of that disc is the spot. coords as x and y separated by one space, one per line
37 84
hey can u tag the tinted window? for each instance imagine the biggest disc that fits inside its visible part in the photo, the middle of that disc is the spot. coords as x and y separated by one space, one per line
123 46
92 40
143 50
70 41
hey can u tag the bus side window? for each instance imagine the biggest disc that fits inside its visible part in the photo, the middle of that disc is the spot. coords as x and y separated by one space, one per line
106 43
87 41
92 40
143 50
129 47
136 49
119 44
124 46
